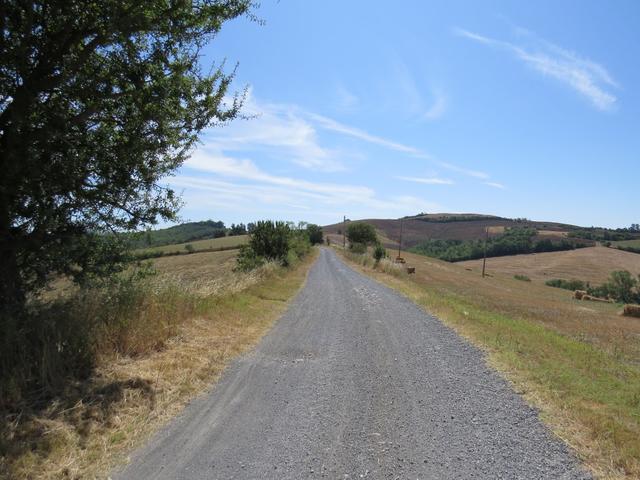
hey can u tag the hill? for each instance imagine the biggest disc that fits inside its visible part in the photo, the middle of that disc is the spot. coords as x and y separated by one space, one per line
185 232
447 226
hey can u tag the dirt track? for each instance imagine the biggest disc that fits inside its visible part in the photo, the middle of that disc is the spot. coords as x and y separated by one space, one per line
355 381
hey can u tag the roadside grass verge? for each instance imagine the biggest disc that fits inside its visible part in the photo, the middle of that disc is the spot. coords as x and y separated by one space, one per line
586 387
169 343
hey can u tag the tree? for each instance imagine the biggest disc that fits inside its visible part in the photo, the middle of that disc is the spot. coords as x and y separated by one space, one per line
239 229
315 233
270 239
620 285
360 232
98 102
635 227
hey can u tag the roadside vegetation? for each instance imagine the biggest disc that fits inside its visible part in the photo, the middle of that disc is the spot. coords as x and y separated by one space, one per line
99 366
579 365
514 241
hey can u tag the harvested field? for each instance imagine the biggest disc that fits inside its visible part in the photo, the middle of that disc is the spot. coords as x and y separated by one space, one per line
592 264
208 244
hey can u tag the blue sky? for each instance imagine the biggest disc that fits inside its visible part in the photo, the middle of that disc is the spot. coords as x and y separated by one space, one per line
385 109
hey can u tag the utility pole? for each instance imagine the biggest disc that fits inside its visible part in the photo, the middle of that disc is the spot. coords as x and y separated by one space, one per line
484 261
400 241
344 232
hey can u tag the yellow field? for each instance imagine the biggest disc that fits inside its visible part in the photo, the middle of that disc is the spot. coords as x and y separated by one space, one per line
578 362
592 264
208 244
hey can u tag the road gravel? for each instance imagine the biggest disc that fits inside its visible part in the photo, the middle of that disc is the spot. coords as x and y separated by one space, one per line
355 381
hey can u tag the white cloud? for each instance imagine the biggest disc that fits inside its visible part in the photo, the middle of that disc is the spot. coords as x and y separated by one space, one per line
427 180
438 108
278 130
586 77
249 188
495 185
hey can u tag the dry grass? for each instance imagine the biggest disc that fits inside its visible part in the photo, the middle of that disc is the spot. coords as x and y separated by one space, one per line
92 425
207 244
592 264
578 363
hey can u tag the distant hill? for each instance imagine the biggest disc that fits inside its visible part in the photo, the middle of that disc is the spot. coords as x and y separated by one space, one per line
185 232
472 226
448 226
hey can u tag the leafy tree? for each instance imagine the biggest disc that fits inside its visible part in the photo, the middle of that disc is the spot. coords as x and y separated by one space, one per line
315 233
98 102
250 227
360 232
270 239
239 229
635 227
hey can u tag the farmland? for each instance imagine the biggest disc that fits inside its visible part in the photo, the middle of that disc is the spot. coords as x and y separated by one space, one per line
593 264
199 245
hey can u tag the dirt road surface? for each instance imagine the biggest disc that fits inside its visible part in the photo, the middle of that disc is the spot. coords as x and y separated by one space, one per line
355 381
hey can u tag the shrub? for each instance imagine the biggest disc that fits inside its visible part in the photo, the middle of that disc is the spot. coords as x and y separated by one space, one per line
567 284
358 248
360 232
621 286
189 248
379 252
524 278
314 232
270 239
248 260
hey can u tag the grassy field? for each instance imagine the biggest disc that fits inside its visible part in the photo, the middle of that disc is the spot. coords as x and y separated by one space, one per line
208 244
592 264
210 313
578 362
628 243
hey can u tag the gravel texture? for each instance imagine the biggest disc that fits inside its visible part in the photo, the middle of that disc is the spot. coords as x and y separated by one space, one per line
355 381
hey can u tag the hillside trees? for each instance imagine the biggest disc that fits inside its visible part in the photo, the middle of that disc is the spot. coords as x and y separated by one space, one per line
98 102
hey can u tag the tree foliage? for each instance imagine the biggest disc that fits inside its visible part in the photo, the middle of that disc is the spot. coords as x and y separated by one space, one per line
98 102
360 232
514 241
315 234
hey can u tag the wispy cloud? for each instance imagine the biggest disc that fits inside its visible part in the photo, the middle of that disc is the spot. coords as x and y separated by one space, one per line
586 77
427 180
438 107
330 124
246 186
347 101
495 185
280 130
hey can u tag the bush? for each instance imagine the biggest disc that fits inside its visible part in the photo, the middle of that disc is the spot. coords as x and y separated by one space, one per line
189 248
358 248
270 239
379 252
314 232
621 286
566 284
248 260
364 233
524 278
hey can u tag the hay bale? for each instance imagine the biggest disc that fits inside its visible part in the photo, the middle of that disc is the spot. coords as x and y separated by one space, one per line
579 294
631 311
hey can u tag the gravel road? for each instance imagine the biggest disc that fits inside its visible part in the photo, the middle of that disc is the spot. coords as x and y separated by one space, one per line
355 381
